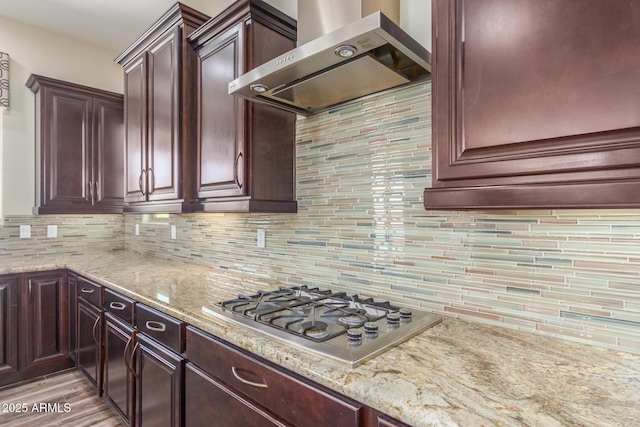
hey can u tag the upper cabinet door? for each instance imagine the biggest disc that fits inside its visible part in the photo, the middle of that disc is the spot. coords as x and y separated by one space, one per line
163 171
66 151
135 104
220 119
536 103
108 152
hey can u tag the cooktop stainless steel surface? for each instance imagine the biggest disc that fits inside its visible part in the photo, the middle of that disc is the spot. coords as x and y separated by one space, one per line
342 327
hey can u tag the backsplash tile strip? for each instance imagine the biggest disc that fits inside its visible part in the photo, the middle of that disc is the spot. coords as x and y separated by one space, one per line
76 234
361 227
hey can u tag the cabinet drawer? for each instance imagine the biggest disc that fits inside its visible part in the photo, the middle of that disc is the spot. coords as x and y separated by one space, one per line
90 291
164 329
119 305
289 397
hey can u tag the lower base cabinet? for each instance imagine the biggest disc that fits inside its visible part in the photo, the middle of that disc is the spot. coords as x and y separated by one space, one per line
285 398
34 325
89 343
119 385
207 399
159 385
8 326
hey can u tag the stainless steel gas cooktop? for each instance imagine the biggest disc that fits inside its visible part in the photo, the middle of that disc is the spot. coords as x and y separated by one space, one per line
342 327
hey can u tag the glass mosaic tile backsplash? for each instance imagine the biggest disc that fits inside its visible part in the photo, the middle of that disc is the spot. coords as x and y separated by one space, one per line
361 227
75 234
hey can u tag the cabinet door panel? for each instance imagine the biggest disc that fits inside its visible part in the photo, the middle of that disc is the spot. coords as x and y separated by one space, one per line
108 152
45 302
89 343
207 399
220 130
135 107
164 143
118 381
525 115
8 324
159 385
66 125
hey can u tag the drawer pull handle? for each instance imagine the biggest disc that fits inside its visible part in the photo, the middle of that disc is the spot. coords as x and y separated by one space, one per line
242 380
155 326
117 306
87 290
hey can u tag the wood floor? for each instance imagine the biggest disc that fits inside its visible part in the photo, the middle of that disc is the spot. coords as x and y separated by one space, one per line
52 396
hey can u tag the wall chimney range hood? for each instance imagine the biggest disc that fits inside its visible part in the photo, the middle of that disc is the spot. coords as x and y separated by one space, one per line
367 55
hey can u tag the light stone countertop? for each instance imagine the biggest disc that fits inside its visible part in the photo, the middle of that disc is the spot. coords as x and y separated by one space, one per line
457 373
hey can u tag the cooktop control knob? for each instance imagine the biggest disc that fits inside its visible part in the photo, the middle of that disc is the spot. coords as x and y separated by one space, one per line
393 317
405 313
371 328
354 334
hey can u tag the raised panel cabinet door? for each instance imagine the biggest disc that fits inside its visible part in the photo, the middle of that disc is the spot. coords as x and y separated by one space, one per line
44 325
89 343
163 172
66 150
159 385
207 399
135 113
220 117
535 104
8 324
118 379
108 153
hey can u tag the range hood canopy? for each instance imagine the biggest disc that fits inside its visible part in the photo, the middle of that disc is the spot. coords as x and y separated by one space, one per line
367 56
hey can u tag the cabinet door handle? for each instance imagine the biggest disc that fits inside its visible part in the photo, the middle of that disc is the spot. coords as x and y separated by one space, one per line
236 166
243 381
140 182
30 289
124 353
96 194
131 360
152 325
117 306
152 186
90 192
94 329
87 290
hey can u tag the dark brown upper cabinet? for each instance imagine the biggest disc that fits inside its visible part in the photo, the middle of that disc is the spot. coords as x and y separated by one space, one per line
536 104
79 148
245 151
159 71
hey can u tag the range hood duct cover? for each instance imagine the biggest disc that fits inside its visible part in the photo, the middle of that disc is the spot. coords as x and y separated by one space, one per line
312 78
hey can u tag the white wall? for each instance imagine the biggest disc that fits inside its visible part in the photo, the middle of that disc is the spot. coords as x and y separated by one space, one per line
33 50
415 19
